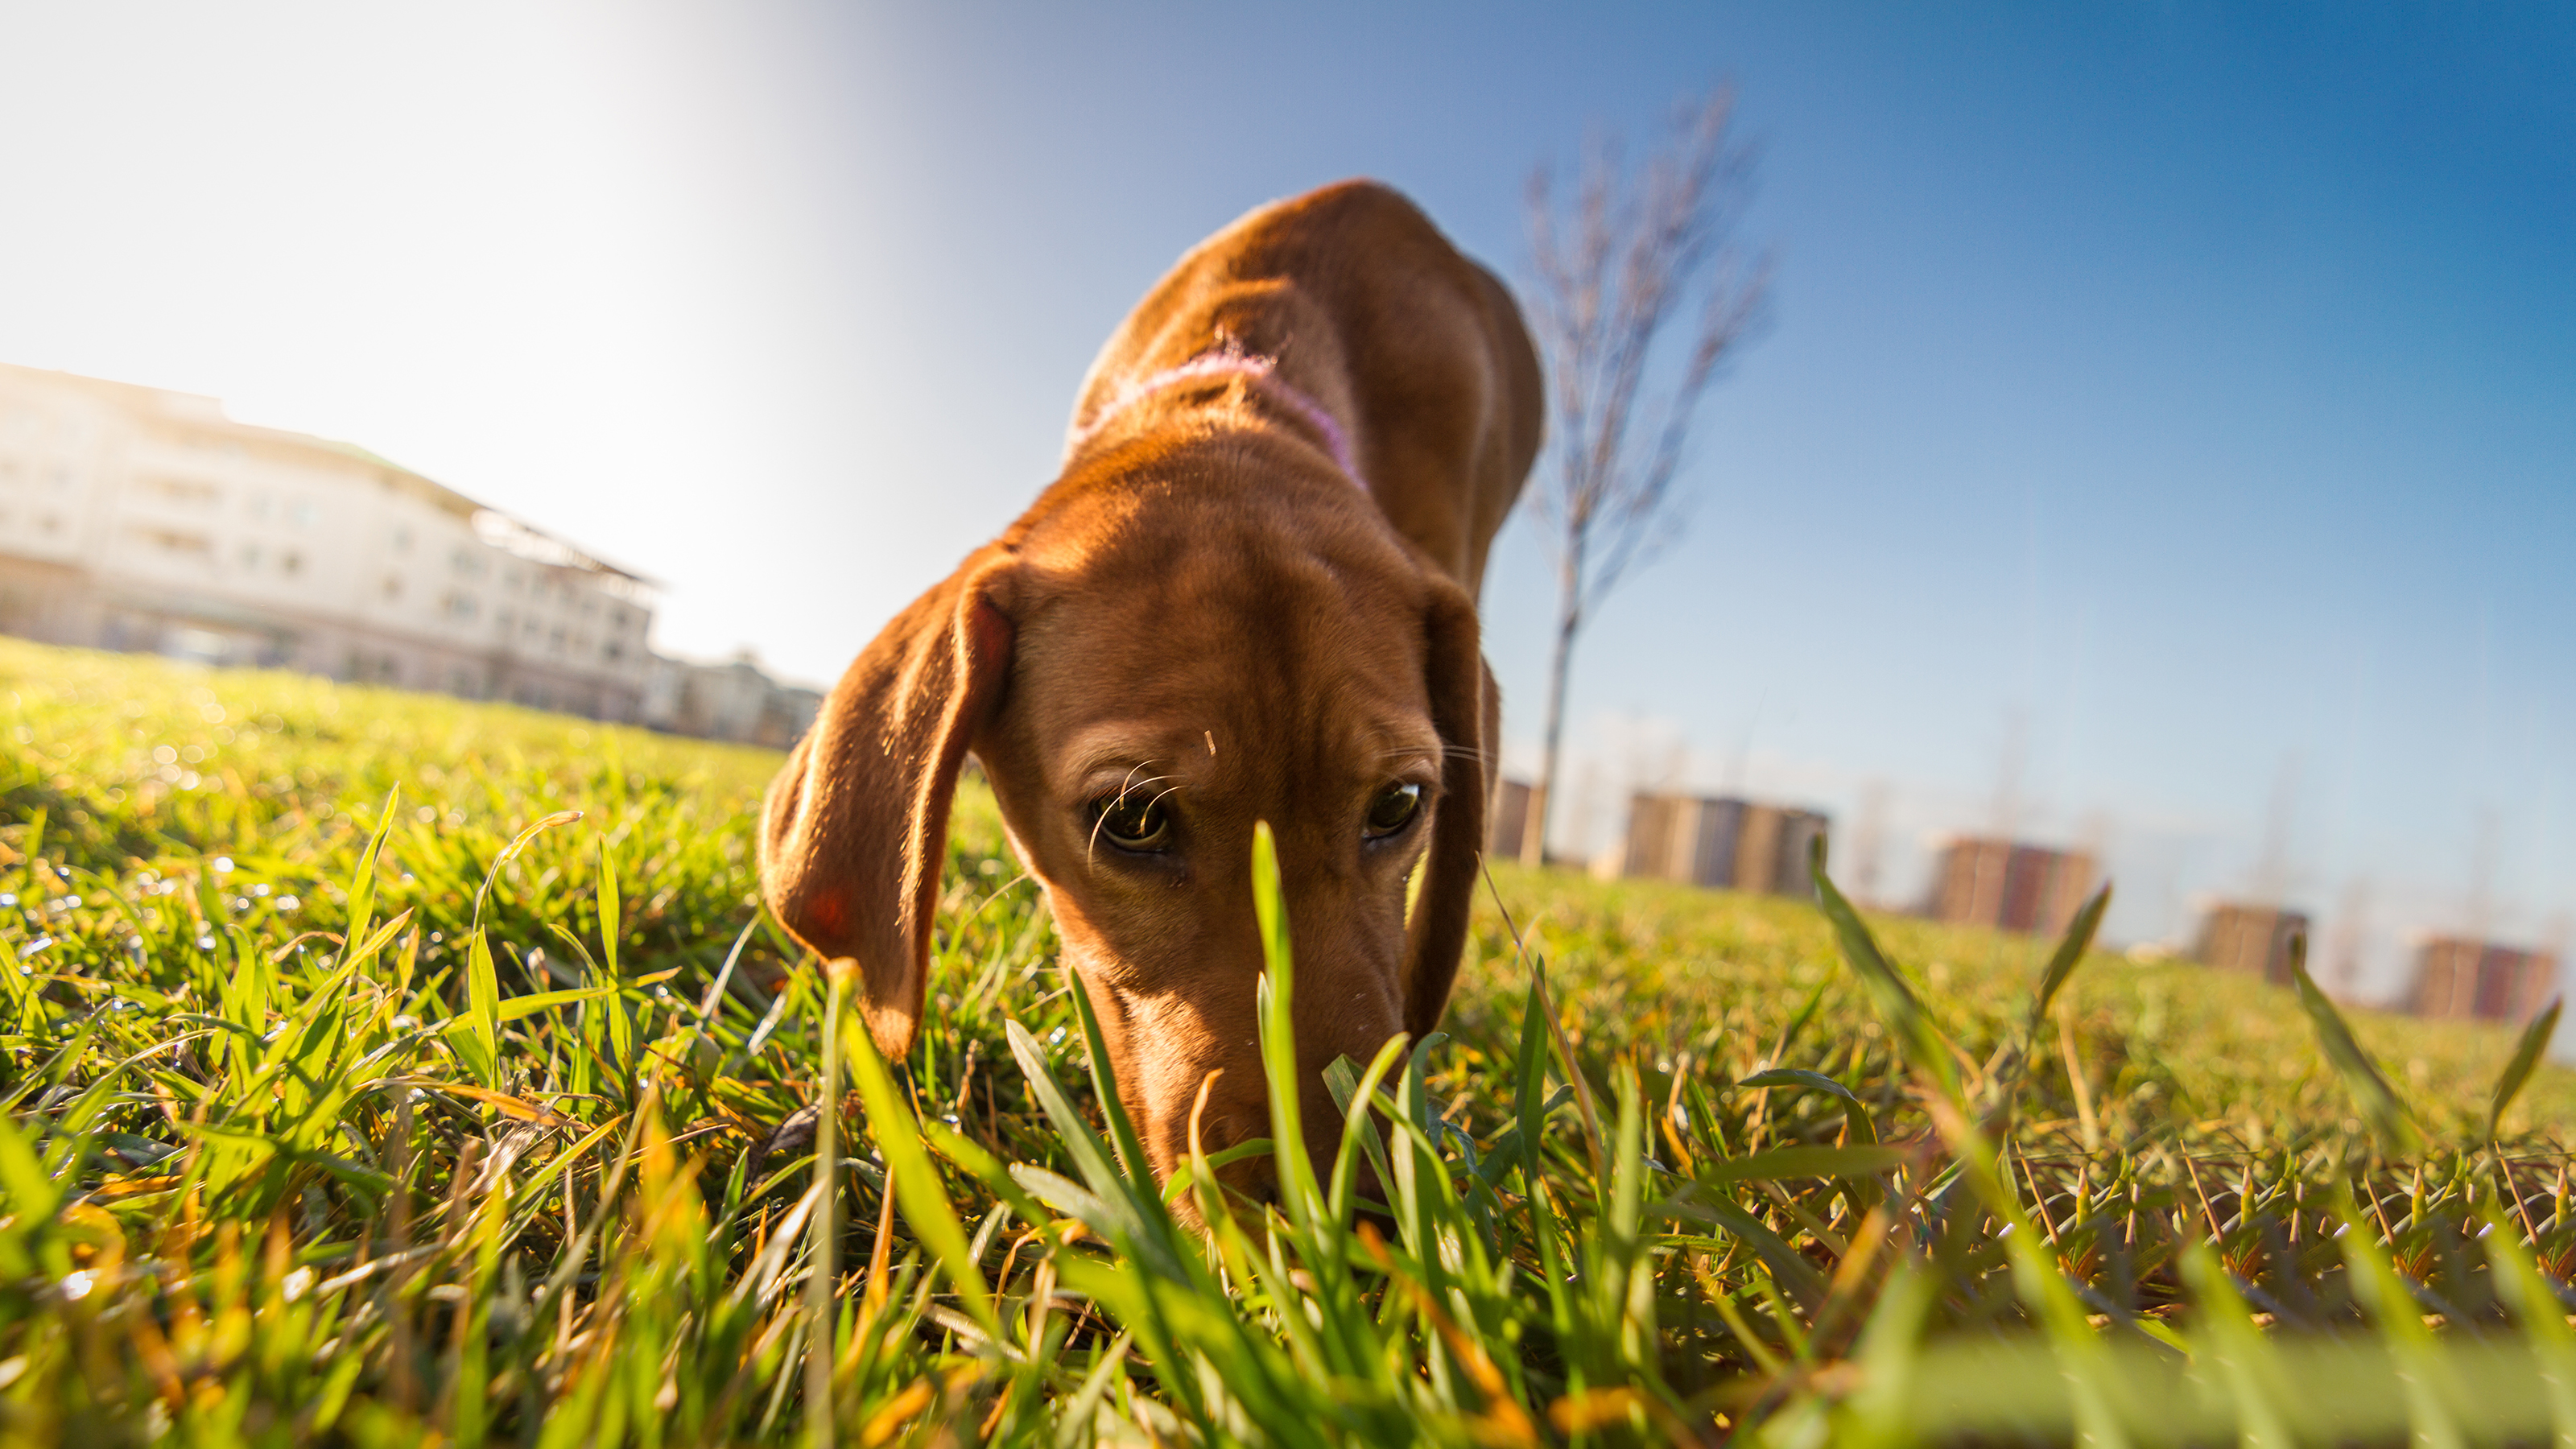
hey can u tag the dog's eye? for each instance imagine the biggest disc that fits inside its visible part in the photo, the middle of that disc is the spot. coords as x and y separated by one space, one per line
1393 810
1133 821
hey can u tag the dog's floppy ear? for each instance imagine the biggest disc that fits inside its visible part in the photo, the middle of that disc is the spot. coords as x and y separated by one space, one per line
1455 672
856 825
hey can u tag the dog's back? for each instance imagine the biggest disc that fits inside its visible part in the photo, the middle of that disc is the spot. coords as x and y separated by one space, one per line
1362 305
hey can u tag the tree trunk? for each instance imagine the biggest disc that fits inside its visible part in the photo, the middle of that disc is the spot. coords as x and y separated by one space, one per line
1569 618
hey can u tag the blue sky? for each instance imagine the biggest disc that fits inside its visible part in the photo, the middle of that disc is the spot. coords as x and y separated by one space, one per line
2178 402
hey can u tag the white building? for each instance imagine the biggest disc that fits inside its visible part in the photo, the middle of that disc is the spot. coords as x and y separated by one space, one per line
137 519
735 701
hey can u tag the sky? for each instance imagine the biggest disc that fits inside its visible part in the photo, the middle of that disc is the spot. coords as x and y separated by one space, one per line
2164 440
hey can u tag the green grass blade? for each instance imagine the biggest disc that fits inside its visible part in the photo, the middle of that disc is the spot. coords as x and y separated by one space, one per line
610 925
1897 1004
246 995
1785 1263
2526 1055
514 1007
518 846
2070 952
1091 1156
1127 1219
2391 1125
1855 1111
362 879
1356 1127
1882 1413
2223 1331
1799 1077
482 1012
470 1408
1104 1085
1781 1164
916 1179
1530 1098
620 1022
1274 1000
1073 1429
33 1195
2536 1309
822 1273
983 1166
2434 1401
1805 1013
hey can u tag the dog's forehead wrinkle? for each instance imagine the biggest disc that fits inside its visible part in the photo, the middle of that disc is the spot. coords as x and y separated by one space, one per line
1331 684
1123 755
1338 758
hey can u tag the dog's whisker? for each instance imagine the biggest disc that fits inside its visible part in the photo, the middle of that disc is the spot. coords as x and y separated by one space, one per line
1126 787
1125 790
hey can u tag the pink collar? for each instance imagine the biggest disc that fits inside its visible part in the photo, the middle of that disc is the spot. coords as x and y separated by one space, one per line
1231 361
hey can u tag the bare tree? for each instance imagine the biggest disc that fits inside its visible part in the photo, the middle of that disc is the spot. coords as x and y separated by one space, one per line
1631 256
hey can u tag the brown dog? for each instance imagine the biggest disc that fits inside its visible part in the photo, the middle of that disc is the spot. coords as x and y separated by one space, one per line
1250 596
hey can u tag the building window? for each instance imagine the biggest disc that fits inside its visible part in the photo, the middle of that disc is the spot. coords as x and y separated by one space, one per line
402 538
167 540
460 606
291 563
612 651
302 513
259 507
250 556
393 586
187 492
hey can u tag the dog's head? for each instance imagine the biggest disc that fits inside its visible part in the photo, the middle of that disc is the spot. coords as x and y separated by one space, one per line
1140 694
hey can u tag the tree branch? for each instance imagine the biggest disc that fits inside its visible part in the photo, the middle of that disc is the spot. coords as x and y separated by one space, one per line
1614 271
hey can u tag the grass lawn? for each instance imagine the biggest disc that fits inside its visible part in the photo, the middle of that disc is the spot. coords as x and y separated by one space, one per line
457 1122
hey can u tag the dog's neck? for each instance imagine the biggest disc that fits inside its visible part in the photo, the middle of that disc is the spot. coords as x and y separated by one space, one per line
1231 361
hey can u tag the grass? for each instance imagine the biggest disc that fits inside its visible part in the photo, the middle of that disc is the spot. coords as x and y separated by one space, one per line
359 1090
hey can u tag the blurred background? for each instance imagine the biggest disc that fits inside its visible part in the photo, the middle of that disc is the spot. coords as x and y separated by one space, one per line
2159 451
